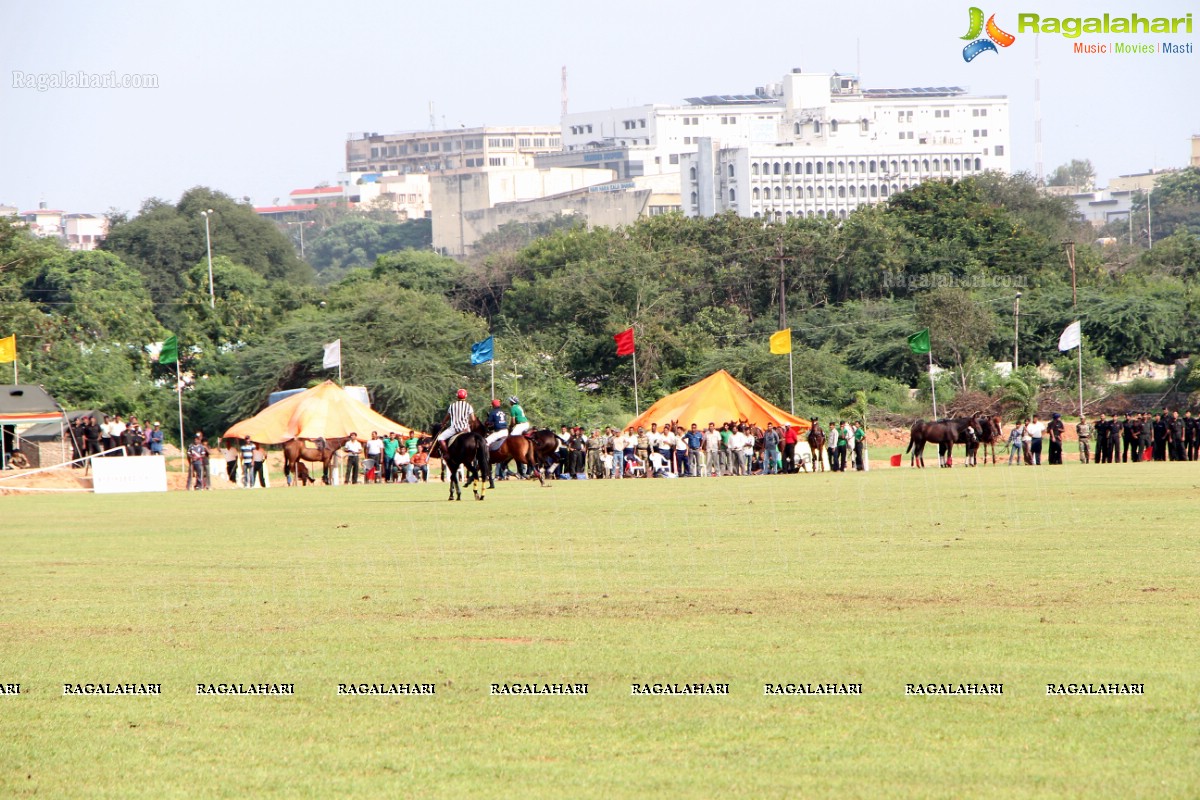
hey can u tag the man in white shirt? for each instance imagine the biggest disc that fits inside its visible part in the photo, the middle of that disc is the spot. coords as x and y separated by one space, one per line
618 454
1034 430
354 449
374 449
712 449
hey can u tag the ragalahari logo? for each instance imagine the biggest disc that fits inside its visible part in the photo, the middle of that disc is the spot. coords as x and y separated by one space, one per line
995 36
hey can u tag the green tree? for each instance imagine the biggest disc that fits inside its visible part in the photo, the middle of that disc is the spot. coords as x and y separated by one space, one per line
1077 172
960 328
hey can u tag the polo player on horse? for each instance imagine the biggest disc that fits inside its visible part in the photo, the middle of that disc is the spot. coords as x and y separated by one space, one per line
459 418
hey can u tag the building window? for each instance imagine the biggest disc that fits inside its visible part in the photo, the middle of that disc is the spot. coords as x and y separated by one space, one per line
493 142
673 158
695 120
733 195
817 126
866 126
983 133
692 173
871 166
833 126
828 167
687 120
808 168
525 142
641 123
787 168
731 172
754 168
775 169
695 197
999 149
787 192
687 140
978 164
797 126
778 193
496 162
841 168
809 191
755 194
539 141
820 167
555 141
874 190
820 191
841 191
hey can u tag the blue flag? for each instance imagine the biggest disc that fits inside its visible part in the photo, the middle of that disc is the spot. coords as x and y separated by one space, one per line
481 352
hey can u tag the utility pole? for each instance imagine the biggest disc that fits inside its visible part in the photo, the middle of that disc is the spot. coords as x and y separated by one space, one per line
779 256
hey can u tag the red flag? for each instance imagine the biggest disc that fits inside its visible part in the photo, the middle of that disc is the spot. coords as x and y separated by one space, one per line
624 341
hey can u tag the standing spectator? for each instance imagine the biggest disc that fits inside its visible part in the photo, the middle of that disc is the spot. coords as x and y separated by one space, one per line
260 459
374 450
1035 429
231 459
116 435
1126 438
1137 427
1160 438
197 454
845 436
1146 441
391 446
1083 430
666 447
1177 433
655 439
831 445
1104 430
133 438
618 454
354 449
1015 447
247 452
1191 436
737 446
790 439
93 435
576 447
1055 431
694 440
106 442
630 447
771 450
679 450
725 458
1026 444
595 455
712 450
155 438
860 444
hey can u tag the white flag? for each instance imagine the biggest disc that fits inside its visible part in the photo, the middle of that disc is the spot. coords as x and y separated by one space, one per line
1070 337
333 355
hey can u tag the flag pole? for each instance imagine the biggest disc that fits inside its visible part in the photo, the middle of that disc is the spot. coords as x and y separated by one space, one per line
791 385
1080 348
493 361
179 398
637 409
932 385
15 381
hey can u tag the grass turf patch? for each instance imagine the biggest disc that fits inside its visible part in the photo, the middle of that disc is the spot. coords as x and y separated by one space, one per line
1019 576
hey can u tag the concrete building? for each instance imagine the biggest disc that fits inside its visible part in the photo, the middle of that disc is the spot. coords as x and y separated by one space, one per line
1138 181
502 147
406 195
85 231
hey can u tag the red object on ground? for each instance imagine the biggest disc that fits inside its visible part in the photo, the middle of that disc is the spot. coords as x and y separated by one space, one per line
1148 454
896 460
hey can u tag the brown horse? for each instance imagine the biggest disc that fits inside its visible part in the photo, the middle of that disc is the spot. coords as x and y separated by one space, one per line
323 453
991 431
816 443
519 449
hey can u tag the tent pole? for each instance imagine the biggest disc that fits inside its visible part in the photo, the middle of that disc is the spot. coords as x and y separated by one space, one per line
179 398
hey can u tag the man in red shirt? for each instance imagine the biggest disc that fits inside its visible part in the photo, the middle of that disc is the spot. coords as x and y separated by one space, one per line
789 449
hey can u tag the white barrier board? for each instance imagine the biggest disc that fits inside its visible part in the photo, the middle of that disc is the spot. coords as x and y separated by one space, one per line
129 474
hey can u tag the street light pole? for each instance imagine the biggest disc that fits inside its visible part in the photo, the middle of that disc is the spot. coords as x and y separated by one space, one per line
212 297
1017 333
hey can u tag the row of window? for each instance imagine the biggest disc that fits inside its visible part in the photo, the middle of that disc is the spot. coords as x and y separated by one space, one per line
819 192
578 130
631 124
864 126
830 214
864 166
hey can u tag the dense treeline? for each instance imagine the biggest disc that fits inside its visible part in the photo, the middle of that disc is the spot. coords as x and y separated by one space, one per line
703 294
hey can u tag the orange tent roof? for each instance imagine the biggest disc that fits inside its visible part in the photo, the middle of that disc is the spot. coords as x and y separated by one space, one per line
718 398
324 410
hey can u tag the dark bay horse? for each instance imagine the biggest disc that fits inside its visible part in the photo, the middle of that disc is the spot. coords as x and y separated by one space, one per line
466 449
945 434
322 452
816 443
991 431
545 448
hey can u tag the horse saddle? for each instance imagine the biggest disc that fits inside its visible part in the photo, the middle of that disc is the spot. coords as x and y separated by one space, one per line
456 437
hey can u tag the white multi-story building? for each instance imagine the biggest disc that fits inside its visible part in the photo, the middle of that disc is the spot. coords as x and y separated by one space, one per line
816 143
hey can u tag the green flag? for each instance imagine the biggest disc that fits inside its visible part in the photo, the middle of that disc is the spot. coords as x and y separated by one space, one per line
919 342
170 351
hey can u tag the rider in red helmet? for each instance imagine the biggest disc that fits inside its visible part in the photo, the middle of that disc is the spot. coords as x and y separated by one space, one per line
497 422
458 418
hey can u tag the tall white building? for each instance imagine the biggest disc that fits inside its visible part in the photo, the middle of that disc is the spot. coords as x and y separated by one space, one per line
813 144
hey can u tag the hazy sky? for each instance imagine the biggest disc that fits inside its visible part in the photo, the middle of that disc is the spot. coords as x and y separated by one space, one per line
256 98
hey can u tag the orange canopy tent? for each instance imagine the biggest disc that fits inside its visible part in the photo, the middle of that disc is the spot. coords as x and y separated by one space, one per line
718 398
324 410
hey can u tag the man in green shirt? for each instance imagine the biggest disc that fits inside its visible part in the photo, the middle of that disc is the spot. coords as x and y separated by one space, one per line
517 420
391 445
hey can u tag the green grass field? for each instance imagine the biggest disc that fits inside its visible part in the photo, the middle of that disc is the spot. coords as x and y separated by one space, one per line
1014 575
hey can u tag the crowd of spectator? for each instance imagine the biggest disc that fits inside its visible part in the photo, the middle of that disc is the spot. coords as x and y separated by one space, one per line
113 436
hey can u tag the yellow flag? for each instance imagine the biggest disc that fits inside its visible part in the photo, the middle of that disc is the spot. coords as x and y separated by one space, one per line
8 349
781 342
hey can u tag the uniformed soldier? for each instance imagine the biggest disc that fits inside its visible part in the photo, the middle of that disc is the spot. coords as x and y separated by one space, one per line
1126 438
1084 430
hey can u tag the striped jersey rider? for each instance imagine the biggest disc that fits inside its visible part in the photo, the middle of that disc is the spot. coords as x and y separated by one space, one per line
517 418
458 417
